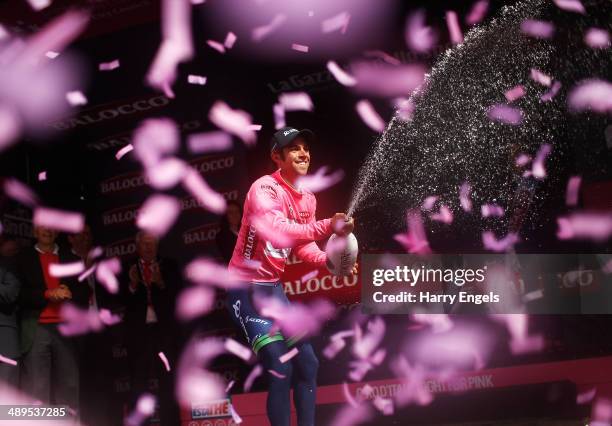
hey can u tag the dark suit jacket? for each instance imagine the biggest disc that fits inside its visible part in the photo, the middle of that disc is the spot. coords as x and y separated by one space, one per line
9 291
31 297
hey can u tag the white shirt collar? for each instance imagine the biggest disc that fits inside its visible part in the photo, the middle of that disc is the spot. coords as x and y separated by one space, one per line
55 249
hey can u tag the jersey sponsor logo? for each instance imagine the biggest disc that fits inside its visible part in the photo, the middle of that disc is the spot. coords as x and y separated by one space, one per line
324 283
256 320
288 132
250 243
304 215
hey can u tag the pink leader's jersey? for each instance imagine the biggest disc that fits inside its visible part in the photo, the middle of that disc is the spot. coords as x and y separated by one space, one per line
273 210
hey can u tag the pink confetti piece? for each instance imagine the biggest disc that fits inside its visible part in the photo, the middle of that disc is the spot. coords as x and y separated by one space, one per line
158 213
586 396
197 2
66 269
491 243
522 160
164 359
528 344
379 54
108 318
95 252
444 215
259 33
255 127
7 360
145 407
548 96
230 385
254 374
570 6
106 274
42 176
340 75
216 45
214 141
533 295
196 79
87 273
333 348
386 80
515 93
336 22
320 180
38 5
276 374
119 154
297 319
154 138
601 412
235 417
77 322
300 48
369 116
51 54
366 344
415 240
464 196
419 37
287 357
384 405
109 66
194 302
413 387
20 192
310 275
10 126
239 350
505 114
348 395
230 39
571 193
194 381
439 323
593 94
539 77
429 202
166 173
538 169
586 225
207 272
76 98
236 122
296 101
454 30
58 219
353 416
538 29
477 12
597 38
279 116
4 34
491 210
195 184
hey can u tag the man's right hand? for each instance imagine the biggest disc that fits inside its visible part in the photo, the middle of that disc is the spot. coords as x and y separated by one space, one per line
341 225
59 294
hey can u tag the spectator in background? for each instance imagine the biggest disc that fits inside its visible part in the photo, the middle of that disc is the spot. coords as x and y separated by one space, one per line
150 290
9 334
228 234
50 369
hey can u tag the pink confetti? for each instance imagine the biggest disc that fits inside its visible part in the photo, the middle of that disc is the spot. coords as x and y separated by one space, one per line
236 122
207 272
20 192
95 252
533 295
333 348
87 273
119 154
586 397
196 79
255 127
194 382
538 170
387 80
366 344
528 344
157 214
145 407
230 39
452 22
4 34
570 5
76 98
108 318
548 96
353 416
444 215
194 302
336 22
597 38
464 196
51 54
522 160
239 350
491 243
229 386
369 116
413 383
429 202
10 126
254 374
154 138
592 226
276 374
478 12
109 66
379 54
439 323
206 196
66 269
59 219
601 412
7 360
39 4
348 395
287 357
505 114
384 405
320 180
539 77
419 37
573 187
593 94
491 210
106 274
166 173
340 75
262 32
296 101
235 417
42 176
216 45
279 116
164 359
310 275
209 142
515 93
77 321
300 48
538 29
415 240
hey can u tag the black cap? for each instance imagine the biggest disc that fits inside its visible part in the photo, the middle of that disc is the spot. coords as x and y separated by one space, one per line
284 136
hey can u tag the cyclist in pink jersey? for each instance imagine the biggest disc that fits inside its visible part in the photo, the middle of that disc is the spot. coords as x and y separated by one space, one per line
279 218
